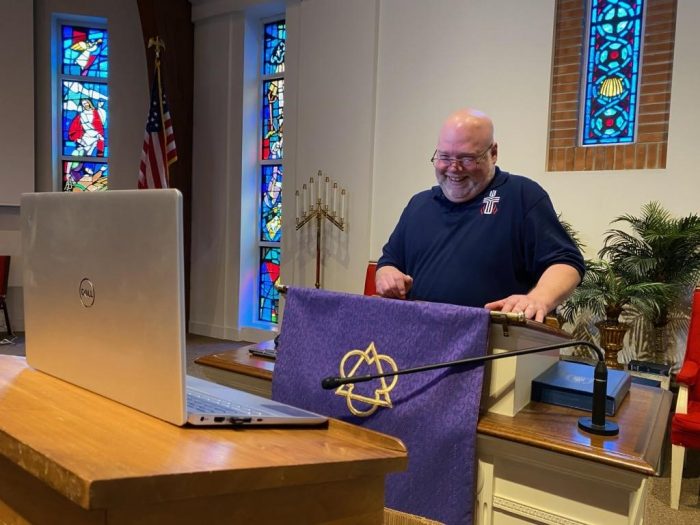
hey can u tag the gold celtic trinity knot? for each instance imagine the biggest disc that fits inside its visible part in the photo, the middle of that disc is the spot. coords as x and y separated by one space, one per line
381 398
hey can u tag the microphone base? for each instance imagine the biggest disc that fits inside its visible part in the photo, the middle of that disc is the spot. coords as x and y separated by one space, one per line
607 429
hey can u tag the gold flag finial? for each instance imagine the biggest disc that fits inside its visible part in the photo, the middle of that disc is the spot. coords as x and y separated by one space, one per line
158 43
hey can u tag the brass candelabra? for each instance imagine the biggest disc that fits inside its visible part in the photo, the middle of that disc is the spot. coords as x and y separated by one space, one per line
320 200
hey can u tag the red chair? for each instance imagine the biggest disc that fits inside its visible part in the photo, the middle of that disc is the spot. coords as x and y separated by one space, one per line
369 278
685 425
4 277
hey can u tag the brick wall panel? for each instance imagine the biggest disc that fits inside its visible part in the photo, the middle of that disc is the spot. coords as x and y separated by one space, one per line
654 100
661 162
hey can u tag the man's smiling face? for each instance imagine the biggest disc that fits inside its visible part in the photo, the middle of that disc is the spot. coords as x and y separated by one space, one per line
465 160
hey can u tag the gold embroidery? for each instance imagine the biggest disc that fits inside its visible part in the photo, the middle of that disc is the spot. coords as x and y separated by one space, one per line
381 395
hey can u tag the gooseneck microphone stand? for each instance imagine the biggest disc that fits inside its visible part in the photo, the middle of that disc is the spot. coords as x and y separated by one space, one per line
596 424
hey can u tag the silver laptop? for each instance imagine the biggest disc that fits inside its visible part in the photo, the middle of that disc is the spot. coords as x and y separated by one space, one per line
104 307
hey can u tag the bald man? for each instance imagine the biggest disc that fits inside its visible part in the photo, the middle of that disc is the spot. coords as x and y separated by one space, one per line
482 237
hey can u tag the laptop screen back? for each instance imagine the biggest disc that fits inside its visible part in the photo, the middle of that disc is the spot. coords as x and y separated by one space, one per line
103 294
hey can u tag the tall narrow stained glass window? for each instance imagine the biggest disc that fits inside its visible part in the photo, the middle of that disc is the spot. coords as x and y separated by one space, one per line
613 54
271 171
83 75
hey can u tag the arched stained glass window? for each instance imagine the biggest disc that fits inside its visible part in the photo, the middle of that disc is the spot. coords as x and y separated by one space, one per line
83 75
271 153
613 54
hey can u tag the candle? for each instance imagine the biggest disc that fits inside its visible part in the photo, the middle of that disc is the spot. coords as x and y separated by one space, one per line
304 196
334 207
312 192
325 193
342 205
296 205
319 176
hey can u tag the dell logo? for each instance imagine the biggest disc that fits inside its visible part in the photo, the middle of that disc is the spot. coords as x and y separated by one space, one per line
87 293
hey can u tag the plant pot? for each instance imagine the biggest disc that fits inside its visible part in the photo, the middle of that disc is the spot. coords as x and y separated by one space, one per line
611 337
661 344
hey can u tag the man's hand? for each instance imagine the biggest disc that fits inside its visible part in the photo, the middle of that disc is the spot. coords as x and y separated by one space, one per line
392 283
555 285
532 307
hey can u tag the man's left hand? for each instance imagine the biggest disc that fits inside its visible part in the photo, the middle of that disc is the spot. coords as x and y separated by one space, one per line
532 307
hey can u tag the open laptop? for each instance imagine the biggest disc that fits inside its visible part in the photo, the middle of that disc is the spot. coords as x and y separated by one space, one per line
104 307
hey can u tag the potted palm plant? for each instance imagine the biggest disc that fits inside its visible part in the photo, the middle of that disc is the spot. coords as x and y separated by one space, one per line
607 292
660 248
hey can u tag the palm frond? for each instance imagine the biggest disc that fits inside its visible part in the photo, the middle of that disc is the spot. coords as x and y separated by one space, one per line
659 249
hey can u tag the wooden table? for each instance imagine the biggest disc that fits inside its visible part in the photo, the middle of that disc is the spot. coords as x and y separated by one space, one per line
239 368
538 467
70 456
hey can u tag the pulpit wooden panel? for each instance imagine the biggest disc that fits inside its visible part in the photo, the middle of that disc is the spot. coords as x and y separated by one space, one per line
70 456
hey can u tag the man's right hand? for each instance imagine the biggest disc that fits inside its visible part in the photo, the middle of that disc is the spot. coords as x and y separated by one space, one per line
392 283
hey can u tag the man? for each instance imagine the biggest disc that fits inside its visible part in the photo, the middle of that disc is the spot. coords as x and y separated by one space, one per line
482 237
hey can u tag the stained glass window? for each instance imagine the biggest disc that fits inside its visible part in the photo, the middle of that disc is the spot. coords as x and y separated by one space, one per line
612 72
84 119
271 153
273 119
269 276
84 94
275 41
85 51
84 176
271 203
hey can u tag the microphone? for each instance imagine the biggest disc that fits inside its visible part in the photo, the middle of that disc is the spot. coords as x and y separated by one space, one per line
596 424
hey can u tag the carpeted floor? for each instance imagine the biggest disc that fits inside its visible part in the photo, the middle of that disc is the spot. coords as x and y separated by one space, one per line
657 511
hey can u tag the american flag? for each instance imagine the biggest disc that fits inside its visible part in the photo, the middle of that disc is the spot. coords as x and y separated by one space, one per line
159 150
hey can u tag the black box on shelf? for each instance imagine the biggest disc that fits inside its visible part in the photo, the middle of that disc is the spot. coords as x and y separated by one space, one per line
649 368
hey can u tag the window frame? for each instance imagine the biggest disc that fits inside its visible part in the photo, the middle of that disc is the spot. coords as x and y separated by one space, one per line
584 101
259 243
57 79
563 153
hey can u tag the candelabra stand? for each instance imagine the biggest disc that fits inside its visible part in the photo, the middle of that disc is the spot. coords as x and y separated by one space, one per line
319 200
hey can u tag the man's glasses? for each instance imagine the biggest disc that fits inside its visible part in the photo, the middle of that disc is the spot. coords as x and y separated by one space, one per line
472 161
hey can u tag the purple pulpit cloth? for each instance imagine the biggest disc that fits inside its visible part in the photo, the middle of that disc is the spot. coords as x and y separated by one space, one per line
434 413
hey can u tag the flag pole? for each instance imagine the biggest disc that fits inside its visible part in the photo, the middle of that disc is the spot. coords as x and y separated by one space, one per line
159 149
158 43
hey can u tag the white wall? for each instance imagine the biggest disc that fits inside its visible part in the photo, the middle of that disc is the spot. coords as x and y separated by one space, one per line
437 56
17 174
329 121
128 100
216 181
17 139
369 82
331 117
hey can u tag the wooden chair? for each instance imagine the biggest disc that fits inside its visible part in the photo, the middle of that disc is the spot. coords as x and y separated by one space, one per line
685 424
4 277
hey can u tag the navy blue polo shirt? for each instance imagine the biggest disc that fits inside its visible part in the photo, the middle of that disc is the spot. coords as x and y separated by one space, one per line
488 248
